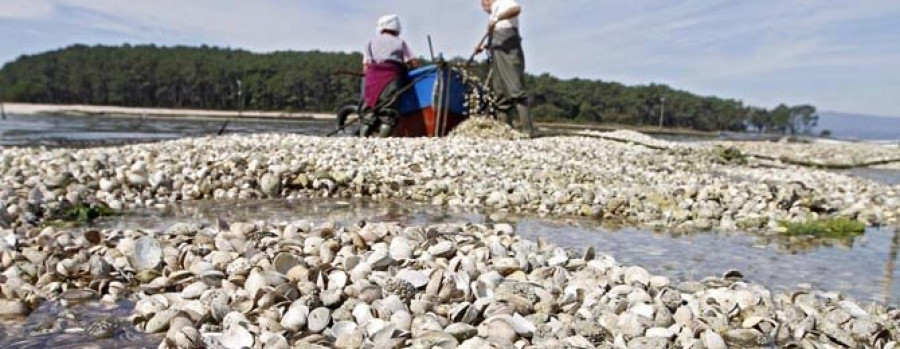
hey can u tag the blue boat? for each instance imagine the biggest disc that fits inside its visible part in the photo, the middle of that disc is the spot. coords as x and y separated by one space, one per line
434 105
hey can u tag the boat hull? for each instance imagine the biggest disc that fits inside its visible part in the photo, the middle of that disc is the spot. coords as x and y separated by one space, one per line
424 123
435 104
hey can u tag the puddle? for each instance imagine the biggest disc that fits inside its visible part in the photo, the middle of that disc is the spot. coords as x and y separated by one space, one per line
881 175
55 326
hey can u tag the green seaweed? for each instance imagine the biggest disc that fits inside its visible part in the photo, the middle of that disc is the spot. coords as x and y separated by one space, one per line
88 213
833 228
78 215
731 155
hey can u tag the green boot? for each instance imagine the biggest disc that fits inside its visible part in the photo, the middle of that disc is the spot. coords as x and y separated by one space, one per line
525 118
505 116
387 127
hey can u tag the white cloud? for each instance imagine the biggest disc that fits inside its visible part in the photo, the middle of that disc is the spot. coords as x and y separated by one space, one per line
711 46
25 9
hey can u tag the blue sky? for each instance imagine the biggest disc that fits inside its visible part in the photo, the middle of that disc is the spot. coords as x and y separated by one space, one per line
838 55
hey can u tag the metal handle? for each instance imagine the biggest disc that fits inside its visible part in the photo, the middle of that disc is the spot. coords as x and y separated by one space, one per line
478 48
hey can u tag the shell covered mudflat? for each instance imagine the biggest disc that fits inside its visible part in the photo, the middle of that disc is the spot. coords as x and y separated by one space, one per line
287 284
383 285
625 177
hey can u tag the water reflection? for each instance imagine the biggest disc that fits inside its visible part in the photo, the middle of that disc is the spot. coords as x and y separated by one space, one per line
889 267
53 325
861 267
881 175
805 243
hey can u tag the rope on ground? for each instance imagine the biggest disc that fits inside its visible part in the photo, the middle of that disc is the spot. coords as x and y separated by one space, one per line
783 159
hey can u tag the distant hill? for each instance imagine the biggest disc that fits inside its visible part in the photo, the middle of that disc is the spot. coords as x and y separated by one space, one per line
205 78
859 126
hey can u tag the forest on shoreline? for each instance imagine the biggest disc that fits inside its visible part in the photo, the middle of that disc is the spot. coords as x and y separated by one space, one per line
206 78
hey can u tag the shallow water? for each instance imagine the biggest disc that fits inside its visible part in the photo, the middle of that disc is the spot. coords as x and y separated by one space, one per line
55 326
81 131
881 175
861 268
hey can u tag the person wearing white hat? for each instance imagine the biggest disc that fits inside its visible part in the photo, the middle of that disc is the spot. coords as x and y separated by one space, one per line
386 61
388 47
508 61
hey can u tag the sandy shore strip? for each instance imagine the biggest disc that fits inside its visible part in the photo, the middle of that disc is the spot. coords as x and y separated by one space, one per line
31 109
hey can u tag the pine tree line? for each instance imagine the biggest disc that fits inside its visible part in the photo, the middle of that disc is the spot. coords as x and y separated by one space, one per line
206 78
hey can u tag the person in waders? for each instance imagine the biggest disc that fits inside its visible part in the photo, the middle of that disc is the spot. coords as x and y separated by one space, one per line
508 63
386 61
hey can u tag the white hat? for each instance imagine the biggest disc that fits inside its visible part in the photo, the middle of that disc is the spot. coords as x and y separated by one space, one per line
389 22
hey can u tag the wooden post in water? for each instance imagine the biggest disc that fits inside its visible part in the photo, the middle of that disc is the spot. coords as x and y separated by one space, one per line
240 94
240 97
662 111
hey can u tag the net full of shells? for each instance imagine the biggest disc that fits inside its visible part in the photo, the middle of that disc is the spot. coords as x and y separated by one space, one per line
382 285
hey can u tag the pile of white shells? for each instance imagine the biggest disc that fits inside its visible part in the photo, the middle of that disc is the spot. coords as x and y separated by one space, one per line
565 176
486 128
381 285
